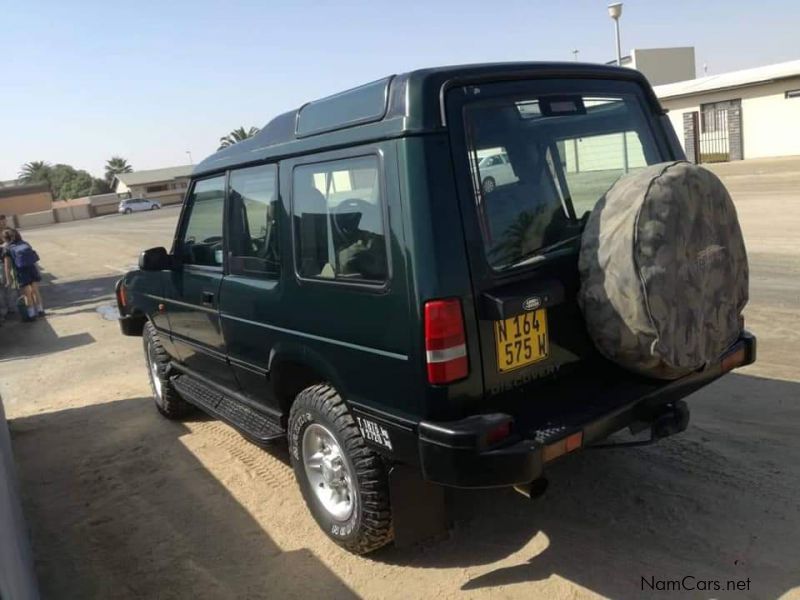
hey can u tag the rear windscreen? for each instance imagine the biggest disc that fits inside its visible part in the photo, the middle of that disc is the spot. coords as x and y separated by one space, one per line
540 162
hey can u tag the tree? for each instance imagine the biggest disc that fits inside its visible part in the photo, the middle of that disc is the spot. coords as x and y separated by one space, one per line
76 185
66 182
99 186
36 171
236 136
116 165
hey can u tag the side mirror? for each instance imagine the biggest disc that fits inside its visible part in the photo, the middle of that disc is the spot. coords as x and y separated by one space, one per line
155 259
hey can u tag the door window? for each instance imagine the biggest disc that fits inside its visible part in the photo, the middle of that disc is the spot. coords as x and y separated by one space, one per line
202 235
338 220
253 200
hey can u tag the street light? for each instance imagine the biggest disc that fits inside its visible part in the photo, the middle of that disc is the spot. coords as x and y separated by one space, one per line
615 12
189 152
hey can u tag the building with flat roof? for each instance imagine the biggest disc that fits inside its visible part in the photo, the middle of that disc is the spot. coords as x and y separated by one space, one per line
751 113
25 198
661 65
165 185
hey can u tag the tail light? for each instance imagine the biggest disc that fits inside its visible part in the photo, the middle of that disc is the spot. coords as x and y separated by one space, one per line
445 343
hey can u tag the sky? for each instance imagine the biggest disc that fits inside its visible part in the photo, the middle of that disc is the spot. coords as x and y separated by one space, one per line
81 81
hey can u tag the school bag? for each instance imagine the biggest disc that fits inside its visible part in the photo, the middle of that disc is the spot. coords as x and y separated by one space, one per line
23 255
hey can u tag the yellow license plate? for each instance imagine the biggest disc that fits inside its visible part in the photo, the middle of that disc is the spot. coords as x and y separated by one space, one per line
521 340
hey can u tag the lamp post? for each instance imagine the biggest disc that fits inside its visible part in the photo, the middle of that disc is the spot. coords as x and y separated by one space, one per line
189 152
615 12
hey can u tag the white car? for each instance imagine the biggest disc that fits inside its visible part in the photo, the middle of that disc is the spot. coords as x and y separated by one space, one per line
130 205
495 170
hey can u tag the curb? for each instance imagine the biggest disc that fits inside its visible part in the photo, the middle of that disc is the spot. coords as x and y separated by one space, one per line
17 576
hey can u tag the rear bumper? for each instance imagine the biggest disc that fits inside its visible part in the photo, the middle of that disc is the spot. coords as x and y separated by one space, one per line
459 453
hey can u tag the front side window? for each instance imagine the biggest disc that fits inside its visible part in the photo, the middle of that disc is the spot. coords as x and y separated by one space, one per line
253 200
201 243
562 153
338 220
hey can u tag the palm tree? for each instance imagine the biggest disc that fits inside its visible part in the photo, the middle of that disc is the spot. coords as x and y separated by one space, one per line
116 165
235 136
36 171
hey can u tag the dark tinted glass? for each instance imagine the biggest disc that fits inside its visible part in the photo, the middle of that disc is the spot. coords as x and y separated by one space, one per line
338 220
562 152
253 200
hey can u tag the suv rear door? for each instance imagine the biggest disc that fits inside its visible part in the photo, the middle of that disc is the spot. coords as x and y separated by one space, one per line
252 291
565 143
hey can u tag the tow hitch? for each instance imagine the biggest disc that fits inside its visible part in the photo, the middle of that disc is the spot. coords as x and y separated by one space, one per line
670 419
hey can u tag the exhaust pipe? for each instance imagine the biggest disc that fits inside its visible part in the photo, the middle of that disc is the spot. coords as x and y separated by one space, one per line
533 489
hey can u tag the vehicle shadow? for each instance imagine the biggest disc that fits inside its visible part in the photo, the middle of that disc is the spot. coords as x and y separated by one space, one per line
71 294
716 502
119 507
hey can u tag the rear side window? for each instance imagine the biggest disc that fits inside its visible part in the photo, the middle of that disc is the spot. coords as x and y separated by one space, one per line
253 205
337 210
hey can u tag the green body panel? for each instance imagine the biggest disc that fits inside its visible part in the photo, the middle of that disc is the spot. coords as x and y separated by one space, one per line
265 332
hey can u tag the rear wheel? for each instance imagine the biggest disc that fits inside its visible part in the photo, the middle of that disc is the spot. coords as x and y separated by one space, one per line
168 401
343 481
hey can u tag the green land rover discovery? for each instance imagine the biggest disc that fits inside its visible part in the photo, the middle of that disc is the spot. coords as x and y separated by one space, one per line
347 280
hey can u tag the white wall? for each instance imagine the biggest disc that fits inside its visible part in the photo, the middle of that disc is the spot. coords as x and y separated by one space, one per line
770 122
603 153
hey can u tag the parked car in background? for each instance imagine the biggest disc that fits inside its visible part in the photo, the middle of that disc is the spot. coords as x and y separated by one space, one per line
137 204
495 170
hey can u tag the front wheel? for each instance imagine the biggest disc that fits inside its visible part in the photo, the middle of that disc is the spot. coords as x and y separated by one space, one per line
128 211
489 184
168 401
343 481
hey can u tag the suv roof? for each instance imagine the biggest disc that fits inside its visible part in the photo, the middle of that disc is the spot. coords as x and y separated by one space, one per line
390 107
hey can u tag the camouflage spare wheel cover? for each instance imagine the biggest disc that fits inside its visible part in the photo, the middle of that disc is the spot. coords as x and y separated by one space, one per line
663 270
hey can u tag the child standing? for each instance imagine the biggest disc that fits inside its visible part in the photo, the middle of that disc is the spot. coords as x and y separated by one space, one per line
20 259
8 292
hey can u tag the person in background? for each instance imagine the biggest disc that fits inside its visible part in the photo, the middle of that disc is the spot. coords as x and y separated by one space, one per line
21 259
8 291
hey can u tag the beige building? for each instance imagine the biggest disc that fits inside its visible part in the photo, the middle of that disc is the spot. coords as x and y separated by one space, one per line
752 113
25 198
165 185
662 65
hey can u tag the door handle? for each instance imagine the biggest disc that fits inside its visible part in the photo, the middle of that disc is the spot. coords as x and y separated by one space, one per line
208 299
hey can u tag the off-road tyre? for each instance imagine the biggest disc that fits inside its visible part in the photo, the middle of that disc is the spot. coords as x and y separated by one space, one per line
168 401
370 525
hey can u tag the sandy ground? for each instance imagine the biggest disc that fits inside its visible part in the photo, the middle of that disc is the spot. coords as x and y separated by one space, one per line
124 504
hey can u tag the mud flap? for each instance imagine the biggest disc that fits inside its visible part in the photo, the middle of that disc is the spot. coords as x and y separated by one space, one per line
419 510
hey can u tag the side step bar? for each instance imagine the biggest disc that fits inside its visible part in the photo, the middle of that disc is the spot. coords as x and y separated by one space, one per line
255 425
